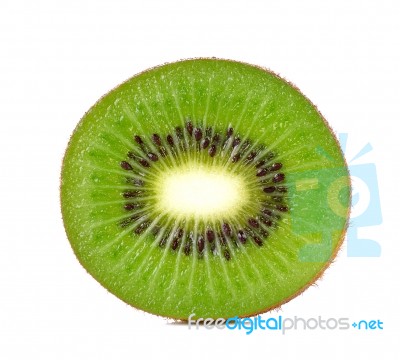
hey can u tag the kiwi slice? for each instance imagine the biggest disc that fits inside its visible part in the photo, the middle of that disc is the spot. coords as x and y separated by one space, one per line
207 187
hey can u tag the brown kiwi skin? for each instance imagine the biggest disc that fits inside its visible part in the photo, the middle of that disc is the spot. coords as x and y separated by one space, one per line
317 277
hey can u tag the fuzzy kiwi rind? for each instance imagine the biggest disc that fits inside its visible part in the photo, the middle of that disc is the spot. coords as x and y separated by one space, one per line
213 91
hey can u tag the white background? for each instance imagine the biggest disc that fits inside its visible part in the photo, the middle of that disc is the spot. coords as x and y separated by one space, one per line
58 57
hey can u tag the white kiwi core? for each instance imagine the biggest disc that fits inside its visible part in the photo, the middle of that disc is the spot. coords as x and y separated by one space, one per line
202 193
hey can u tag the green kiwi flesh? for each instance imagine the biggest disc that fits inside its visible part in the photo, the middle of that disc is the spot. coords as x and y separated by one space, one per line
270 187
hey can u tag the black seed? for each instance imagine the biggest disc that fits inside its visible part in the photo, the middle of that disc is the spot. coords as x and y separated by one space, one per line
178 234
179 132
270 156
200 244
152 156
128 221
263 233
163 151
210 235
267 212
257 240
222 239
216 138
124 223
261 172
131 206
251 156
282 208
198 134
269 189
278 178
131 155
229 132
155 230
175 244
236 142
205 143
241 235
144 163
227 255
260 163
275 167
126 166
131 193
226 229
236 158
136 182
187 248
281 189
212 150
189 128
139 182
245 145
138 139
142 227
163 241
156 139
170 140
253 222
267 222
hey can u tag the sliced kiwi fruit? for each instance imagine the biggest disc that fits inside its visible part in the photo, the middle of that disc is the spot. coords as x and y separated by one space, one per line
207 187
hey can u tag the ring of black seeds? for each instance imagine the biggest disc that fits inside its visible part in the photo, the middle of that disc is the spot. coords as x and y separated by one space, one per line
270 176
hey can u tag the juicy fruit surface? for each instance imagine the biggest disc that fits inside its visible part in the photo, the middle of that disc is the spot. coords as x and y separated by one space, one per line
162 261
